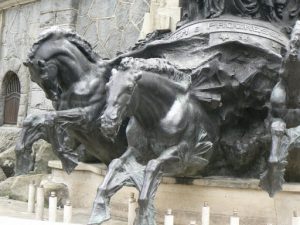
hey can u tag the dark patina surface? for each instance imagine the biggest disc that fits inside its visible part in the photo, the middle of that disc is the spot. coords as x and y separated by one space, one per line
219 96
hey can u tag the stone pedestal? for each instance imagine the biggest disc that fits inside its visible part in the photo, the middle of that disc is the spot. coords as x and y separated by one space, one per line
187 196
163 15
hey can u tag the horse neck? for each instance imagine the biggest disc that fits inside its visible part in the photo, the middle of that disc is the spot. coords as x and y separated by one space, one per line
73 65
154 96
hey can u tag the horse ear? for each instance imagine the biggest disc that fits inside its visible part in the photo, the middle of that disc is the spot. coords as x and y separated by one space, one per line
138 76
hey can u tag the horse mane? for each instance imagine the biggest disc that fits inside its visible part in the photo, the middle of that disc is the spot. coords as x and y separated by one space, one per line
155 65
58 33
196 82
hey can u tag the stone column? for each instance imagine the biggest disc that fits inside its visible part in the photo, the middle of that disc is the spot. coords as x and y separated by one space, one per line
169 218
164 14
52 207
1 19
1 72
40 203
205 214
59 13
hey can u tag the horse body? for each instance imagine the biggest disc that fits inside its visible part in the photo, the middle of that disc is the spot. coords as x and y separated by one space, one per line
73 77
168 128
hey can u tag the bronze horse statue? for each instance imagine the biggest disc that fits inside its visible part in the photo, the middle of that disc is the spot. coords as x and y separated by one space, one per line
169 132
73 78
177 107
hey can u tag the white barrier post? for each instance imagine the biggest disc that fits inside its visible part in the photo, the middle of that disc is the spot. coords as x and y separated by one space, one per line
39 209
131 209
68 212
234 220
205 214
169 218
52 207
31 197
193 222
295 219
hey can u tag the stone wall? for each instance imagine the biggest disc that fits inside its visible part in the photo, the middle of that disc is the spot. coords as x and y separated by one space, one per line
51 13
58 13
19 29
110 26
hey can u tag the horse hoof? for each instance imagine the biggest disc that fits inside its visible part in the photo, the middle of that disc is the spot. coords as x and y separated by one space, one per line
100 214
97 220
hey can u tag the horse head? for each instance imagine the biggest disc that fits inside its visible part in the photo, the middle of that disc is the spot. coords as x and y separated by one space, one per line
45 75
120 90
59 59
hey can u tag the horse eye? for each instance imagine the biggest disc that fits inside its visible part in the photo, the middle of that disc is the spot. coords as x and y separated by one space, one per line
129 88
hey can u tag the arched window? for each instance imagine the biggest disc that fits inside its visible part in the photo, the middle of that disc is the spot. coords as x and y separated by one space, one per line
12 91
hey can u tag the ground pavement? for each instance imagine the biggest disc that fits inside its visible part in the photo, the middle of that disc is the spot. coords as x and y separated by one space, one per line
17 209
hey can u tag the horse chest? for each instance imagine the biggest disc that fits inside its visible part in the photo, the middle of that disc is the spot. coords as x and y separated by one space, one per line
154 140
88 86
175 119
83 93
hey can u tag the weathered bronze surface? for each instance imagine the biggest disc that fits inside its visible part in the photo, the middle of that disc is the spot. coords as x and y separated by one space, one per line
219 96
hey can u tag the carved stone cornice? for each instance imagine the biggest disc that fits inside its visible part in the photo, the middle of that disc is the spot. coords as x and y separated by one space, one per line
4 4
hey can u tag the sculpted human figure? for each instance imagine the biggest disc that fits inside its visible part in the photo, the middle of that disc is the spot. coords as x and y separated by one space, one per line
279 6
201 9
246 7
213 8
284 115
271 10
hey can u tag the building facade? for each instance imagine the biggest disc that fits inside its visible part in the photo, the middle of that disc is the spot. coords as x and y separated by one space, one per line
110 26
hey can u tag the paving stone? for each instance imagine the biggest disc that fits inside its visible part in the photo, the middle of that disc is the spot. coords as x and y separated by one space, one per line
18 209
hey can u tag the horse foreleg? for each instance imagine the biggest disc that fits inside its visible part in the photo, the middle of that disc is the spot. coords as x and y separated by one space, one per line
115 179
77 117
31 132
42 127
24 157
152 179
273 178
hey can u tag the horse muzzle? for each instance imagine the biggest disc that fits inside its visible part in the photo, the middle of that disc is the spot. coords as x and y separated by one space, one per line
109 127
52 97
